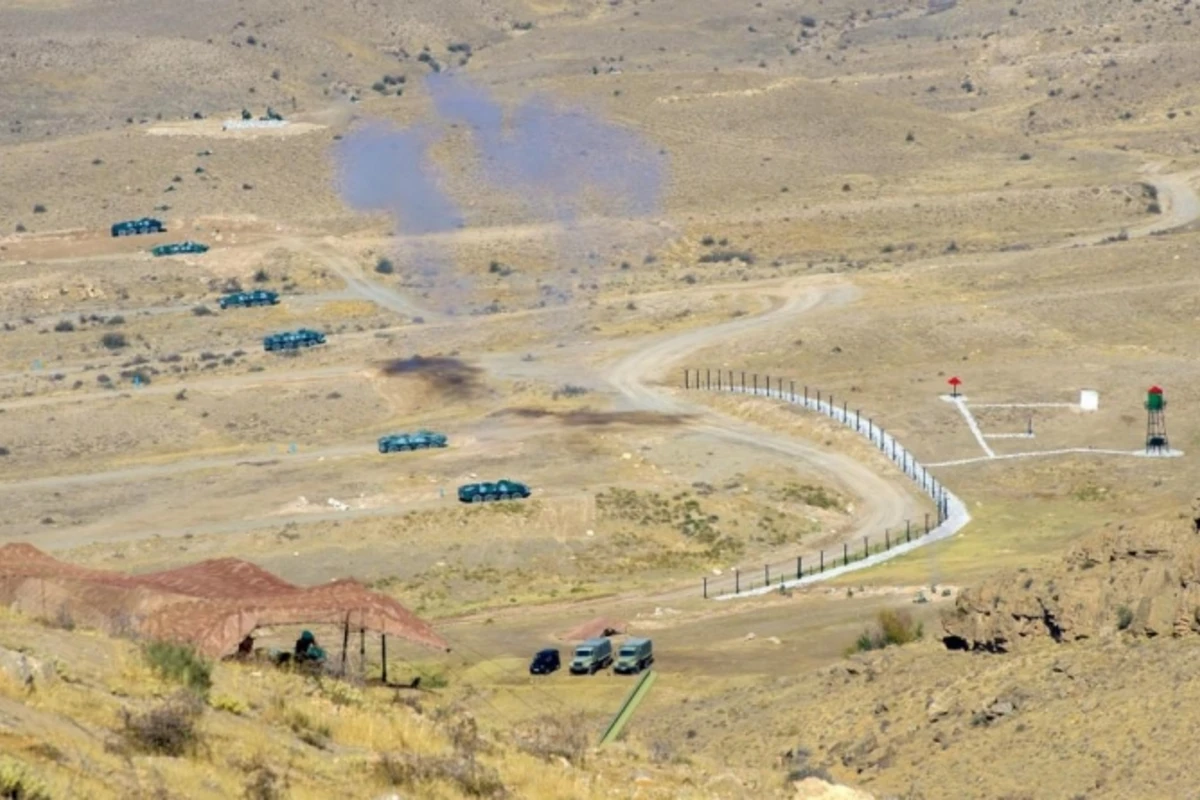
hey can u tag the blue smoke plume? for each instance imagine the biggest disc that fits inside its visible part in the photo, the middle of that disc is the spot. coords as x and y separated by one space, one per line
559 163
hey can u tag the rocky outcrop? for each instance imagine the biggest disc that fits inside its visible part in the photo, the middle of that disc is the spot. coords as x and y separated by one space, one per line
1143 582
25 669
817 789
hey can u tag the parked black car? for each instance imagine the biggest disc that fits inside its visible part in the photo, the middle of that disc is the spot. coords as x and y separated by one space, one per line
545 662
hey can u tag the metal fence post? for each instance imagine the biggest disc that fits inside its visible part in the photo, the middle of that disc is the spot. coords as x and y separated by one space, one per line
731 380
908 530
858 419
768 377
706 588
686 380
708 379
743 380
793 387
845 413
806 397
799 567
927 522
718 380
845 553
737 581
766 574
781 388
756 383
887 539
818 399
822 561
866 546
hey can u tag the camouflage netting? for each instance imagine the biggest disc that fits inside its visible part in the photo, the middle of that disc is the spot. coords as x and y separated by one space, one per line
212 605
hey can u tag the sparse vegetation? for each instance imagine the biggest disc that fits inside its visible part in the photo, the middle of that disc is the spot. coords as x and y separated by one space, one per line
554 736
179 663
384 266
17 782
202 311
168 729
726 256
114 341
410 770
64 326
891 628
1124 617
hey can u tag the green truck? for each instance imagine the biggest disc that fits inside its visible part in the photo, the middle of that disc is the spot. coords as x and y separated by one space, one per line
634 656
592 656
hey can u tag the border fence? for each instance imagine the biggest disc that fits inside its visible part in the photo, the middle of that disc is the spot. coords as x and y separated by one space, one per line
950 515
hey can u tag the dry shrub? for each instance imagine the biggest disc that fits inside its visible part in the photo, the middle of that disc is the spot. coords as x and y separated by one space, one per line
552 737
410 770
892 627
262 783
18 783
168 729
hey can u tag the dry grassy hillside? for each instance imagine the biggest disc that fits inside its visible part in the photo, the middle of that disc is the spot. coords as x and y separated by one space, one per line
1090 653
866 199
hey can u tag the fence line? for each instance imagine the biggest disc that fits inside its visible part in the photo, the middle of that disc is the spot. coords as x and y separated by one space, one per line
952 514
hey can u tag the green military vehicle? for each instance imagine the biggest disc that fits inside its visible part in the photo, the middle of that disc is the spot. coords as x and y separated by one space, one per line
500 490
634 656
592 656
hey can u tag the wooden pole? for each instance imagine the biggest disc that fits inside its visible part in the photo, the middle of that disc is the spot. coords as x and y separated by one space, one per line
345 642
383 655
362 651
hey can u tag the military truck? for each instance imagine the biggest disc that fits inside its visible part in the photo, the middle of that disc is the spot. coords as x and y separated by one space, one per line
134 227
500 490
292 340
411 441
179 247
634 656
592 656
258 297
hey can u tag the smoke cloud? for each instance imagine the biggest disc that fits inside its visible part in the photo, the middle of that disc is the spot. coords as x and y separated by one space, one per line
565 166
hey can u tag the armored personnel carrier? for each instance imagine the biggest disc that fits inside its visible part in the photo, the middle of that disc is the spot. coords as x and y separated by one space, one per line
135 227
411 441
179 247
258 297
503 489
292 340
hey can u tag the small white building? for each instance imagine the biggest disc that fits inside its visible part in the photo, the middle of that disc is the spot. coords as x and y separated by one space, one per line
1089 400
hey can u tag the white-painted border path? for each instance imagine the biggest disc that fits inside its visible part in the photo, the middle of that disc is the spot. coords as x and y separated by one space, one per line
961 403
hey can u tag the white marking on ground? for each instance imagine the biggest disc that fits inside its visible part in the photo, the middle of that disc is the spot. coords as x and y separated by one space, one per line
1025 435
1097 451
1025 405
961 403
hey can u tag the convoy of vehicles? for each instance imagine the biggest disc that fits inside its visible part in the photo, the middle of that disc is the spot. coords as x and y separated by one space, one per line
588 658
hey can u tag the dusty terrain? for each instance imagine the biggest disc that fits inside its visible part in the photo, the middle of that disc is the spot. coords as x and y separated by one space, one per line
865 202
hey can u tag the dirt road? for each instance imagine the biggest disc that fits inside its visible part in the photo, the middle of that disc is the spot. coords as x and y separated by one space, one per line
883 503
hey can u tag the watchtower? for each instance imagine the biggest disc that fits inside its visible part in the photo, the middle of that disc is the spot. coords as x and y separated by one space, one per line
1156 421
